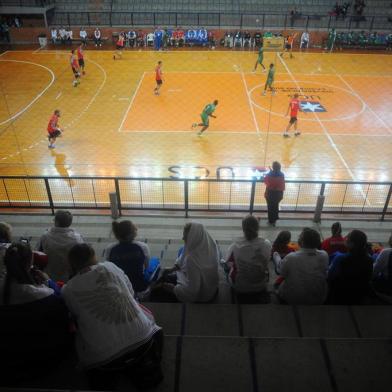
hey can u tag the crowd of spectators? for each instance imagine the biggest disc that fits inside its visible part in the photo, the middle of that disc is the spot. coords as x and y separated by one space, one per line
61 292
363 40
163 38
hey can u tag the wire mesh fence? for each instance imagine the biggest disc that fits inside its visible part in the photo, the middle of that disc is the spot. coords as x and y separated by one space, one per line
192 195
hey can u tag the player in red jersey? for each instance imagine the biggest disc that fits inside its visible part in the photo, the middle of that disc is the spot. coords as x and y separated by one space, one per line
75 68
80 55
54 130
158 77
119 46
294 108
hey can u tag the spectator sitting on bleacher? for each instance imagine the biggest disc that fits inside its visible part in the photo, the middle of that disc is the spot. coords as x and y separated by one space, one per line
304 272
349 274
57 242
34 320
305 40
211 39
131 36
97 37
69 36
382 271
238 39
247 39
22 283
140 39
194 277
133 257
5 242
150 39
248 259
53 35
282 244
335 243
63 35
114 333
83 36
228 41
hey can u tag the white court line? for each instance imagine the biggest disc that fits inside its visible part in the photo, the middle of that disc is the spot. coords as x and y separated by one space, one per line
94 96
320 123
367 106
2 54
252 109
37 97
81 113
39 49
131 103
58 95
317 119
190 131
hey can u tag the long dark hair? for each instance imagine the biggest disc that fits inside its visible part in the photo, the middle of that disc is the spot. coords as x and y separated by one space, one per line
18 258
282 240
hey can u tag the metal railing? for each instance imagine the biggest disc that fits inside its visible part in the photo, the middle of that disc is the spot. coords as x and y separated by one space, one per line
254 20
190 195
26 3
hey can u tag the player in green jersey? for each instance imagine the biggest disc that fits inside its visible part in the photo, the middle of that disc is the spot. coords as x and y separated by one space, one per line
207 112
270 80
260 59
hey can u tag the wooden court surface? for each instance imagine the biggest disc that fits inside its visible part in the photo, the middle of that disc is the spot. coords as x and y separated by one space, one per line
115 126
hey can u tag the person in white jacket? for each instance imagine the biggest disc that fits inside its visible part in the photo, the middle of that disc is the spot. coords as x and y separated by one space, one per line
196 268
247 259
112 328
304 40
57 242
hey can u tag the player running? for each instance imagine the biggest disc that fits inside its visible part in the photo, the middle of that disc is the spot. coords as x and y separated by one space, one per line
80 55
260 59
75 68
158 77
207 112
294 108
54 130
119 46
270 80
289 42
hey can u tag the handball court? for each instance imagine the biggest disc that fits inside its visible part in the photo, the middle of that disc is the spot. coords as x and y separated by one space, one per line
115 126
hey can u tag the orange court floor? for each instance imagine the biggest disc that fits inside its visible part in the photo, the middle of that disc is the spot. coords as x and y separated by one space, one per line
114 125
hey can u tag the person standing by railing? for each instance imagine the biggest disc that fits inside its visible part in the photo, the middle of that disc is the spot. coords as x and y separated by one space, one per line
275 186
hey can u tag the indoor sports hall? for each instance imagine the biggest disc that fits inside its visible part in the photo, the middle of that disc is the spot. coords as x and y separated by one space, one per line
114 125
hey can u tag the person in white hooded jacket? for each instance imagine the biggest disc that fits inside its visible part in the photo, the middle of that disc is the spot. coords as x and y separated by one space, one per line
196 268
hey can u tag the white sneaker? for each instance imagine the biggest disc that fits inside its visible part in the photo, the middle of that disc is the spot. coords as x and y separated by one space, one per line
297 133
286 134
263 93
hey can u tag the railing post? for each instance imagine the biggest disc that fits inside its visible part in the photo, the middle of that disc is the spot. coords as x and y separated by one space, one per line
49 193
252 197
385 209
319 204
117 187
186 197
307 22
69 22
88 18
371 23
